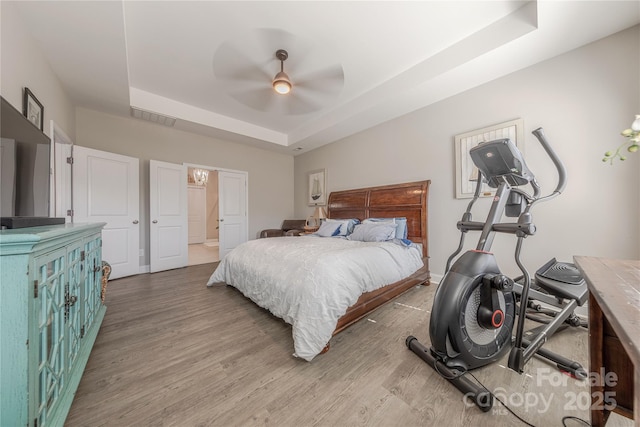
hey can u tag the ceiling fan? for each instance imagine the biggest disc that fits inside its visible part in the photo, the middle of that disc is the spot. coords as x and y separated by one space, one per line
248 70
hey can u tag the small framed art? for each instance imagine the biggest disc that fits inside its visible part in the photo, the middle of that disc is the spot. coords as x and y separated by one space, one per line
33 109
317 188
466 171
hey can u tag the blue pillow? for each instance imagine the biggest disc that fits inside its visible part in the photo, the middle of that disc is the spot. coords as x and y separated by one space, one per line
401 230
328 229
374 232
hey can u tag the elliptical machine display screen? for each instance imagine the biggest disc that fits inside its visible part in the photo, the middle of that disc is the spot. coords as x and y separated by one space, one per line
501 158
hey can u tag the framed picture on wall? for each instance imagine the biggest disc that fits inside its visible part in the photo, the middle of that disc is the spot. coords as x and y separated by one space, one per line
317 188
466 171
33 109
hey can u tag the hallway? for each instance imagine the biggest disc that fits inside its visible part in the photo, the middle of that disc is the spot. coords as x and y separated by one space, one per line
203 253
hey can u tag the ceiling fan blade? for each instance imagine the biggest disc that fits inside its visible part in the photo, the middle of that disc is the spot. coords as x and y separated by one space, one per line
268 101
332 76
269 40
248 74
231 63
302 103
272 39
295 103
300 56
258 99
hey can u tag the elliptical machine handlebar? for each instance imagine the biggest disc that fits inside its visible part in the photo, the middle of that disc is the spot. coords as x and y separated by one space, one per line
524 226
562 173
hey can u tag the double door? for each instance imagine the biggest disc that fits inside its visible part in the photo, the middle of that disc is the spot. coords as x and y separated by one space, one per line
106 189
168 202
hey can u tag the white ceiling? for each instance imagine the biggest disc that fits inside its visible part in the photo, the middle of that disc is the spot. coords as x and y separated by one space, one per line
357 63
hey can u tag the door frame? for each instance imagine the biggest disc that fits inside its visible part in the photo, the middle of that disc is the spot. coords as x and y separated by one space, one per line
215 168
61 183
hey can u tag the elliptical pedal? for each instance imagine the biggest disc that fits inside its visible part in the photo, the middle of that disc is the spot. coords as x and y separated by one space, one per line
563 280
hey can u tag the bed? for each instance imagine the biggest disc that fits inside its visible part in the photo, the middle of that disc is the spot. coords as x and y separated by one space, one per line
289 275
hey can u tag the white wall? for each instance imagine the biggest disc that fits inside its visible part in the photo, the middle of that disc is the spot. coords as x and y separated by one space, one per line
270 184
23 65
582 99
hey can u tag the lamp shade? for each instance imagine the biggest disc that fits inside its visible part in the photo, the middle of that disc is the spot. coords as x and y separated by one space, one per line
319 213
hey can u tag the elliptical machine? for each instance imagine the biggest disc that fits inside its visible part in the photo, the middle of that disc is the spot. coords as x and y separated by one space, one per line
474 307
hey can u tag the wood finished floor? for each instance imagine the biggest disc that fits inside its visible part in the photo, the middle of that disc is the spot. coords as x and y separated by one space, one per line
173 352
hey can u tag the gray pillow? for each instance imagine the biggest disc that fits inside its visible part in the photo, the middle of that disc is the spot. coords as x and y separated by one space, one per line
373 232
401 231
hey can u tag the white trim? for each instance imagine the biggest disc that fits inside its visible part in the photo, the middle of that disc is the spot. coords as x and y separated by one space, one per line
161 105
60 190
436 279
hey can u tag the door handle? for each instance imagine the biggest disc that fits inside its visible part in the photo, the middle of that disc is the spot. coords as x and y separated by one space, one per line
135 221
221 219
155 221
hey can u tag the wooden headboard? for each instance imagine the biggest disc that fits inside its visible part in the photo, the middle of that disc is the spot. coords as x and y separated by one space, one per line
409 200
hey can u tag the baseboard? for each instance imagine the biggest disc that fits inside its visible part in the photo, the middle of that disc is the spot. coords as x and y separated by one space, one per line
144 269
436 278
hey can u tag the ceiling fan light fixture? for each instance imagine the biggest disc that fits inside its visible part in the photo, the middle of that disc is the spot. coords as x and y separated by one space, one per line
281 82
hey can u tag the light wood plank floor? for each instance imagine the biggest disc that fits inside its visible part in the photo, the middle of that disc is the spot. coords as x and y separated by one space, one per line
173 352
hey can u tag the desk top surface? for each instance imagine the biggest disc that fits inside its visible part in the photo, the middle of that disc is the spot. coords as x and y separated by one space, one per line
615 285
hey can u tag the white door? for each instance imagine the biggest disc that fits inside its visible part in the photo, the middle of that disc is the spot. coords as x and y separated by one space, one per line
168 215
106 189
232 189
197 214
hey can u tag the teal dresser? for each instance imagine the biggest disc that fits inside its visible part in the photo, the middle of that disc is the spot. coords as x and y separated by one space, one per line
50 314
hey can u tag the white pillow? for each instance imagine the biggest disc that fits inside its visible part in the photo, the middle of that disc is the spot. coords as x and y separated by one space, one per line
373 232
328 229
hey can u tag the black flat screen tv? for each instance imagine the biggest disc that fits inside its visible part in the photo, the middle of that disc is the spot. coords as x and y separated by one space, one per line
24 171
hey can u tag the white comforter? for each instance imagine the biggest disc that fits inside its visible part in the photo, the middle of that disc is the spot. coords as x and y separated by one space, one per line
310 281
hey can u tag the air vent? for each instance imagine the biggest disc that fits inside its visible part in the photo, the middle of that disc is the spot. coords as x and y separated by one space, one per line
152 117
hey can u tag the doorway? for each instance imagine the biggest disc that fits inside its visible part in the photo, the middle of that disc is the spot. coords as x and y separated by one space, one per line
203 215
